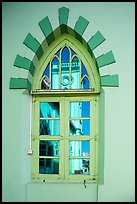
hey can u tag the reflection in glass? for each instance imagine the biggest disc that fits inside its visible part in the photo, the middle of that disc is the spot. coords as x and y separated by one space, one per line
65 55
58 53
45 78
79 148
47 71
49 127
45 83
48 166
79 127
55 74
49 109
65 71
85 83
48 148
79 166
72 53
75 70
83 70
79 109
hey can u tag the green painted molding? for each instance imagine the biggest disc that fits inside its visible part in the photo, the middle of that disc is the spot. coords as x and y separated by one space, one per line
105 59
96 40
81 25
20 83
63 15
34 45
110 80
24 63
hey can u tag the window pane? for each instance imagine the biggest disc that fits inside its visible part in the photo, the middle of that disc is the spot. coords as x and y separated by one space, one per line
79 109
83 70
48 148
65 55
47 71
48 166
79 127
79 166
72 53
49 109
65 68
49 127
79 148
85 83
75 70
55 74
45 83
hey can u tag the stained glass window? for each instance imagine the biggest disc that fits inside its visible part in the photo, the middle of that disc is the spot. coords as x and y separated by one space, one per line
65 71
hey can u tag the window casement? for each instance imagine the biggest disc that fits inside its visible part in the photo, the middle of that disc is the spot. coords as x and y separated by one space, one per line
65 95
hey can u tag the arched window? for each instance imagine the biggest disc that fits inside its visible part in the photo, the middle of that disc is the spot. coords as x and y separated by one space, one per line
65 114
65 86
65 71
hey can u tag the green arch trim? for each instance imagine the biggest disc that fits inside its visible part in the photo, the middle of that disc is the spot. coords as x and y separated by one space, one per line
50 35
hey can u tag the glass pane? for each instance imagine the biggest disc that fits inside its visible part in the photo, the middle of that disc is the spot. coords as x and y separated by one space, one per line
79 127
65 68
48 148
79 109
79 166
79 148
75 70
48 166
49 109
55 74
49 127
46 72
45 83
83 70
65 55
58 53
85 83
72 53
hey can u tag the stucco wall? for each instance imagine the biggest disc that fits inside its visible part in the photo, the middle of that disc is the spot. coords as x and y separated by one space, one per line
115 20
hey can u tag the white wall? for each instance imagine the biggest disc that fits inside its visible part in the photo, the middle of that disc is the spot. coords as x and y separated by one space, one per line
115 20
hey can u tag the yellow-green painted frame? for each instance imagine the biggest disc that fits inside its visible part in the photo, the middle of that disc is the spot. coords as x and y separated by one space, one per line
64 96
82 53
64 138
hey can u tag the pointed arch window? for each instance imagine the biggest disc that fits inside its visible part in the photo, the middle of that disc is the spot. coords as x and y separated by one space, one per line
65 124
65 71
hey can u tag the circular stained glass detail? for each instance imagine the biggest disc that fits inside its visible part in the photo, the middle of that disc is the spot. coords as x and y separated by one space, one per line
65 80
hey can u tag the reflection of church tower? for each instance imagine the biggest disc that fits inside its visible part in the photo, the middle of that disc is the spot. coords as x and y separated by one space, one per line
48 127
67 78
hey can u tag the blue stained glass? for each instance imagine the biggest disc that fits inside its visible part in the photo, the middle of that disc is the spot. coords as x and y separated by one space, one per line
85 83
83 70
46 72
58 53
65 55
72 53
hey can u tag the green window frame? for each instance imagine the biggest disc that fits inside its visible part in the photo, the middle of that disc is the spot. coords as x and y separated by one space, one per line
64 98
